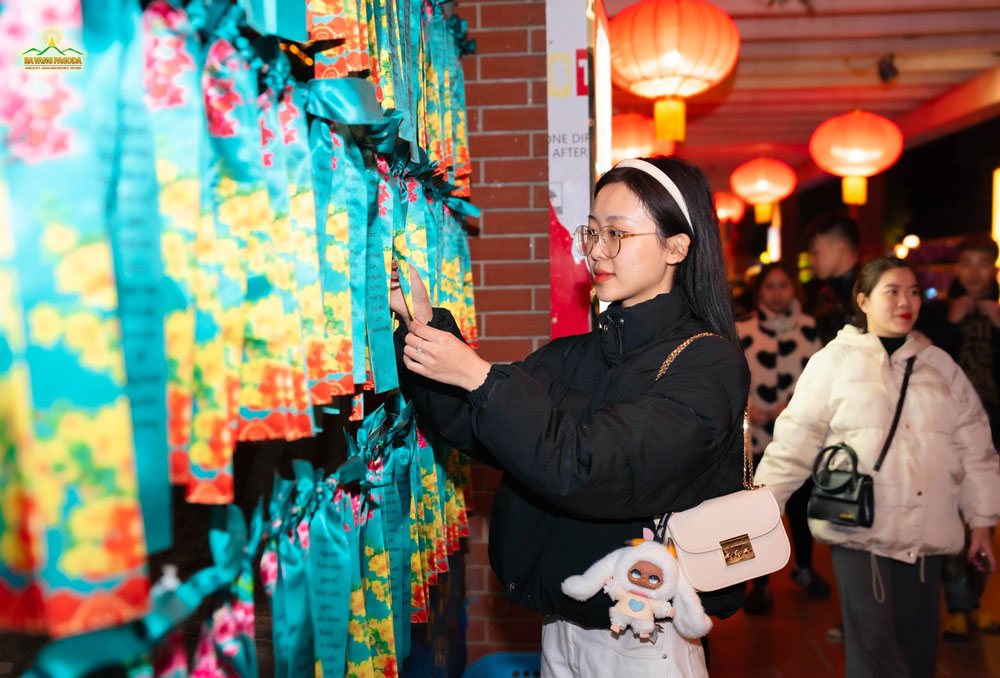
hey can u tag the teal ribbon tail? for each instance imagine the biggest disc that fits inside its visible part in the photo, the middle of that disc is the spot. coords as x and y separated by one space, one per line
462 206
329 576
348 100
81 655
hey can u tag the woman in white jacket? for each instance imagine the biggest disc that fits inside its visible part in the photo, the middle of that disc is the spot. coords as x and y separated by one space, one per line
940 468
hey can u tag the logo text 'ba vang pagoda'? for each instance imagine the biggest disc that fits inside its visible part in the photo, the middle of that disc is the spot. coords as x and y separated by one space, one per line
52 57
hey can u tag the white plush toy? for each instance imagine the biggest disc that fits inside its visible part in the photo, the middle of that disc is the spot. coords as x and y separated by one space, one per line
643 579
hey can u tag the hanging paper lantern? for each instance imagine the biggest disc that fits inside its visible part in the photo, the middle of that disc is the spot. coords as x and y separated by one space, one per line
854 146
729 208
763 182
632 136
664 147
669 50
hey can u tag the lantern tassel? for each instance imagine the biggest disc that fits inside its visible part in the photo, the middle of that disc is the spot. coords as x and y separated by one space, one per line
762 212
854 190
669 116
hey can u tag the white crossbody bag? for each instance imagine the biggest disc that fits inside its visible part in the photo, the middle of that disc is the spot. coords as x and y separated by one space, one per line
732 538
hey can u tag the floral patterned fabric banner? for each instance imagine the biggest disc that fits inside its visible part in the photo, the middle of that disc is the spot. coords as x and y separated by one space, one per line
72 548
154 644
173 98
206 270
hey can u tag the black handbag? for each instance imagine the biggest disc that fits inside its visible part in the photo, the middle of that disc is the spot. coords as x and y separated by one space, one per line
844 496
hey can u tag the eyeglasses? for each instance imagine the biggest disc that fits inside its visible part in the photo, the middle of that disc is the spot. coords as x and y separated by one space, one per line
610 237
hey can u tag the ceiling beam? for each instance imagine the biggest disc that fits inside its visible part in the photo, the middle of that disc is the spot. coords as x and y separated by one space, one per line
988 38
724 94
823 8
865 26
751 148
968 104
793 107
753 82
959 60
753 8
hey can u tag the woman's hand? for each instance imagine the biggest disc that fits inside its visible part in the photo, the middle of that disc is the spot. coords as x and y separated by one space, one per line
981 550
443 357
421 300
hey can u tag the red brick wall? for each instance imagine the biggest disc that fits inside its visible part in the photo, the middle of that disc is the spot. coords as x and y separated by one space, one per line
507 121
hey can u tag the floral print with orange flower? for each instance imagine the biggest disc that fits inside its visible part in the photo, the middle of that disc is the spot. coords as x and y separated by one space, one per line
72 547
175 108
238 204
338 20
273 397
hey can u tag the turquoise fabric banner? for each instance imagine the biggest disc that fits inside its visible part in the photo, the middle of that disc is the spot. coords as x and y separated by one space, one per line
329 573
378 261
135 237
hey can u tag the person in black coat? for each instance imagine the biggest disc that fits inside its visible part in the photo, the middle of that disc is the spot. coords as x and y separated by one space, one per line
966 324
592 446
833 241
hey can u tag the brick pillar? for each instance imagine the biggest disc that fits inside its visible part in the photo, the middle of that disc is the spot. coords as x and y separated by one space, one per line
507 124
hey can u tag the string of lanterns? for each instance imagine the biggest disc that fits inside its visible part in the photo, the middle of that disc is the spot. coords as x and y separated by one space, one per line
670 50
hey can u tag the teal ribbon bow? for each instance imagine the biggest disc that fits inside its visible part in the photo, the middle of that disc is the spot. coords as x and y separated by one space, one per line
81 655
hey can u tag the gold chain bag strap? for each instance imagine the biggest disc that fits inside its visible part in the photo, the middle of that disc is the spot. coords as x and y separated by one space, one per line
732 538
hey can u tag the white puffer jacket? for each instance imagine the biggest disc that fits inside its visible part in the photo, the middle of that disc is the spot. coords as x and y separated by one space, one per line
941 460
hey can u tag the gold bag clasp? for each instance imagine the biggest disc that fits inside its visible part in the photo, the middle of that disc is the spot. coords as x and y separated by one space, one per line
737 549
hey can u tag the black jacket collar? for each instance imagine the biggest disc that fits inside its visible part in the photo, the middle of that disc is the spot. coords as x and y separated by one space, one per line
843 284
626 329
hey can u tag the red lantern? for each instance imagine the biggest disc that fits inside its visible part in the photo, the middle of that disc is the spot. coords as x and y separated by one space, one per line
632 136
854 146
669 50
729 208
763 182
664 147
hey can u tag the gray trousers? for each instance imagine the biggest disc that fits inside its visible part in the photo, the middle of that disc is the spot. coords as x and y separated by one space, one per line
899 636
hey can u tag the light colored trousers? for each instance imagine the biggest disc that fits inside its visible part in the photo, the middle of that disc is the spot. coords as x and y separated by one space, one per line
571 651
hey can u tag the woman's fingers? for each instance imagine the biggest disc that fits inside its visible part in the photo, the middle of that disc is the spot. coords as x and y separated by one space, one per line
417 342
413 366
425 331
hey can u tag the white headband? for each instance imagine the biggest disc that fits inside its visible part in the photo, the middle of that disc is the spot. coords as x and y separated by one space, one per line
658 174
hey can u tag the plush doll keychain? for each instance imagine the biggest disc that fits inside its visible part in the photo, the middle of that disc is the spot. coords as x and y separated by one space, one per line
646 584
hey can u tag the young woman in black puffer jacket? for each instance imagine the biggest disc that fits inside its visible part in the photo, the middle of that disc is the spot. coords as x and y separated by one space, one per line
592 446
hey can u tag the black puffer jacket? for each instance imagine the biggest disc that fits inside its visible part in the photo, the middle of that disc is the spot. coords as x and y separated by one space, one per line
592 447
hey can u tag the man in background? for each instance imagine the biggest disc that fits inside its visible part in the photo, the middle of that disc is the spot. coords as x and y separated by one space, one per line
833 242
967 326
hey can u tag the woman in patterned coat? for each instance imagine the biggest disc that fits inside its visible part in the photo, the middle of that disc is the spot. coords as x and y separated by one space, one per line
778 340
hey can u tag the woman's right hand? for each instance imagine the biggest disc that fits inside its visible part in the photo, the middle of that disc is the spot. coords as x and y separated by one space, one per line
421 300
981 550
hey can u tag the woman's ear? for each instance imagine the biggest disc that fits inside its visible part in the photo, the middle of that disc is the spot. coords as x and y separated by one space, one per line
862 302
677 247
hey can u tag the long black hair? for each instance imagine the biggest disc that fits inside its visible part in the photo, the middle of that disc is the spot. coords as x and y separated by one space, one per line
702 274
